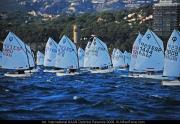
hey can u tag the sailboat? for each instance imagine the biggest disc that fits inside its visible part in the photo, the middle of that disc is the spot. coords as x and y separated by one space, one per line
86 56
50 56
15 57
134 54
172 60
118 59
99 58
40 58
67 57
150 58
81 57
127 59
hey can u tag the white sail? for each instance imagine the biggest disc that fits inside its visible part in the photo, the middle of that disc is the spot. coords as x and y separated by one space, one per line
135 52
40 58
113 57
67 56
151 53
0 59
172 56
118 59
86 56
99 55
127 58
113 52
50 53
30 56
14 53
81 57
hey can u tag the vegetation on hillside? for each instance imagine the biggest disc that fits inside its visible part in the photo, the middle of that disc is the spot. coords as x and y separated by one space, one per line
118 29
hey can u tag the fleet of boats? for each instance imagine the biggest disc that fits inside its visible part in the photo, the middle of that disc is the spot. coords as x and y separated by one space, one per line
147 60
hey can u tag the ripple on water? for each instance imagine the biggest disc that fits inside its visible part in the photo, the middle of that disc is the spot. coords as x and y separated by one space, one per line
87 96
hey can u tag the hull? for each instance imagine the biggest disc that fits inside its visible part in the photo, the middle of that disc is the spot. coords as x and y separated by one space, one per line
146 76
101 71
61 74
31 71
171 83
18 75
53 71
121 69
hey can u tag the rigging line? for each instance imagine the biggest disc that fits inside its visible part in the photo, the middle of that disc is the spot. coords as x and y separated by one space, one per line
31 53
27 56
22 48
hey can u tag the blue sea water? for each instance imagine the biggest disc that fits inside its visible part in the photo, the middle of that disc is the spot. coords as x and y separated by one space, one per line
86 96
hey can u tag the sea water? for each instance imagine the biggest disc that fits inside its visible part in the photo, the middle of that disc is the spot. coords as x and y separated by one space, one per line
86 96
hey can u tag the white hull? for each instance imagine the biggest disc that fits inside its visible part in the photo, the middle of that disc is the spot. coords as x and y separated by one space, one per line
102 71
157 77
171 83
121 69
31 71
131 76
18 75
53 71
84 70
66 74
146 76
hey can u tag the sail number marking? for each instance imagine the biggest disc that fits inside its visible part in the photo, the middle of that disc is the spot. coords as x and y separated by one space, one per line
9 49
172 52
135 51
63 49
146 50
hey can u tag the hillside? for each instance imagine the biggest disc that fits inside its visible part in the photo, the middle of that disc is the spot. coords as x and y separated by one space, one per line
56 7
118 29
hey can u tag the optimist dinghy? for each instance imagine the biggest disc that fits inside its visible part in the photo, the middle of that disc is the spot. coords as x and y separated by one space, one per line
67 57
150 56
15 57
50 56
172 60
99 59
118 60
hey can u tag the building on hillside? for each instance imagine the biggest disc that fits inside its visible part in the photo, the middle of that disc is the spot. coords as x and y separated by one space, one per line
166 17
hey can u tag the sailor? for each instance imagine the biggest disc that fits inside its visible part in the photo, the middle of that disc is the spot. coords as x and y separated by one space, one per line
72 70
